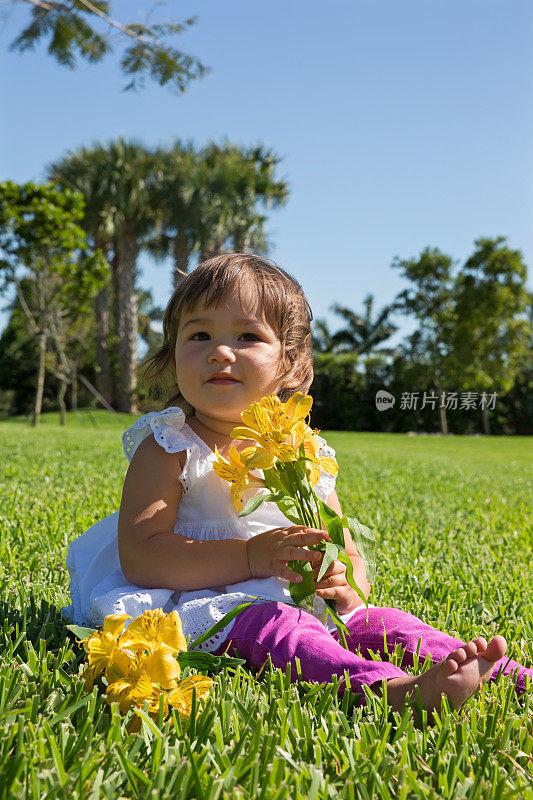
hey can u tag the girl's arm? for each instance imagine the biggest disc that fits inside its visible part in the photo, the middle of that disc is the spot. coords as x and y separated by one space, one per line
151 554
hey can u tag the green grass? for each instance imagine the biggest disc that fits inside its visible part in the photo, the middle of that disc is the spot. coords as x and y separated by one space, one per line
455 547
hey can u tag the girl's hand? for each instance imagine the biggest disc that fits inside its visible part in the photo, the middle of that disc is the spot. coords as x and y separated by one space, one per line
269 552
334 586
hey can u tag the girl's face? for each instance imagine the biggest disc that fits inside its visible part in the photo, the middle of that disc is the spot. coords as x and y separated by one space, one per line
229 340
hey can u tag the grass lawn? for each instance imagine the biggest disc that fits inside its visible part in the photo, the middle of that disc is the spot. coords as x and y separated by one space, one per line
454 547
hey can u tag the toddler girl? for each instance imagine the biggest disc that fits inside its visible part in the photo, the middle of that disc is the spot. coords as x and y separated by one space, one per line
238 329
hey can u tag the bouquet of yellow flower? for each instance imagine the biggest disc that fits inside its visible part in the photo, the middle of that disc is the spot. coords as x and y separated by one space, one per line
144 663
288 452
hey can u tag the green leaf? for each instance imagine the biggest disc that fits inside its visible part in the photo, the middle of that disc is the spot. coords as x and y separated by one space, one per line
221 623
149 722
254 503
302 593
333 524
285 470
301 476
70 710
274 480
347 561
341 626
79 632
365 542
289 507
330 554
207 662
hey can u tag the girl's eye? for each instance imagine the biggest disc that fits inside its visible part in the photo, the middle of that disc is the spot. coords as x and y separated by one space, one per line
203 336
253 335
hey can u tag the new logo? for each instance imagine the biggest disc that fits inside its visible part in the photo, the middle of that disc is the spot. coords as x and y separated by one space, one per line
384 400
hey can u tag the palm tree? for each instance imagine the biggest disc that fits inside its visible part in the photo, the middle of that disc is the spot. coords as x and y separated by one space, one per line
121 182
323 341
222 192
364 334
148 313
129 184
174 236
81 172
257 184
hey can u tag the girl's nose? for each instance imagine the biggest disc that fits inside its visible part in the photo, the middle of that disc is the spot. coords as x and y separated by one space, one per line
221 352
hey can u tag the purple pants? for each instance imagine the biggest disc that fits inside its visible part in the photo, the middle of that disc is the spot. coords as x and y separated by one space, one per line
287 633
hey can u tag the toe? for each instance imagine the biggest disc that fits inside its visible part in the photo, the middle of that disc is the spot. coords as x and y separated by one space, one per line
471 649
449 666
481 644
458 655
495 649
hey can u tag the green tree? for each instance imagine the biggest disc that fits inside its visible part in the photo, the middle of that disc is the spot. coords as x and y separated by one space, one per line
82 29
175 236
121 185
127 183
491 332
256 184
41 241
19 358
363 334
223 194
322 337
81 171
430 299
148 314
209 200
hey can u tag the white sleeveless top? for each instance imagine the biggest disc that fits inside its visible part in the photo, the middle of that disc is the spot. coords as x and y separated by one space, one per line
205 512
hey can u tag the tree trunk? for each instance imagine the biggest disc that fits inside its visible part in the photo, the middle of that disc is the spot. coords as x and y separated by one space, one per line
242 241
61 400
486 421
182 254
212 249
126 319
103 372
442 411
40 379
115 280
443 421
74 387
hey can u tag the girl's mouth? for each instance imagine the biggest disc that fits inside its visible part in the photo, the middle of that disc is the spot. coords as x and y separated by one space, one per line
223 380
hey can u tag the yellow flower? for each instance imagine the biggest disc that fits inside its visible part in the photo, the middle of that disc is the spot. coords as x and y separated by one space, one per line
181 696
141 665
120 664
284 416
316 463
135 678
155 628
100 647
298 407
270 423
237 471
133 688
162 667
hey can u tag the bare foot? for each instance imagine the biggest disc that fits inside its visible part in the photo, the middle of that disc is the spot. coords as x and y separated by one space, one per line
458 676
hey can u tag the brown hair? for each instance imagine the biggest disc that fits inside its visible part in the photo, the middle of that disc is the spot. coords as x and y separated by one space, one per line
280 299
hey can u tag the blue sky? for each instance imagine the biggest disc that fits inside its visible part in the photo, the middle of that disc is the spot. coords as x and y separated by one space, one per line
401 124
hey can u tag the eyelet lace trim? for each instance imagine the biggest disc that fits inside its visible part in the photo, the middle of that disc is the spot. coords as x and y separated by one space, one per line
185 479
199 621
159 423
